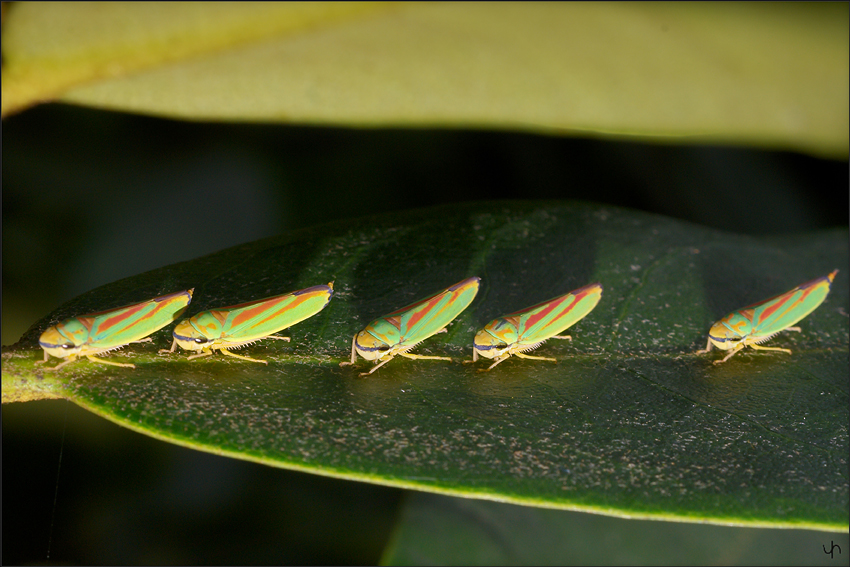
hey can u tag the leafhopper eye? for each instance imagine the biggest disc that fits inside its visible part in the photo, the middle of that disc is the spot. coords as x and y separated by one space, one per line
201 340
66 346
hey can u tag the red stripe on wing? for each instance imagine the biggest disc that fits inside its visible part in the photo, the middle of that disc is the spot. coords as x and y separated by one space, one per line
574 297
423 310
118 318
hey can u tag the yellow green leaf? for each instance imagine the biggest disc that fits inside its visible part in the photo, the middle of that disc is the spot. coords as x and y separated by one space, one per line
774 75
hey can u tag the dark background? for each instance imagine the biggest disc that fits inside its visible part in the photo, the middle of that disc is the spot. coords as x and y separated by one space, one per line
90 197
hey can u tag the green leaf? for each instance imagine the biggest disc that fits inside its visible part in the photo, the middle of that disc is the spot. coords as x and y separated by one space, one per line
437 530
629 422
774 75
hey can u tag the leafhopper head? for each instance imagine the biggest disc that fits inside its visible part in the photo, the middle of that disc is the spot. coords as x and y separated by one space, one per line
487 344
188 337
60 343
369 346
725 336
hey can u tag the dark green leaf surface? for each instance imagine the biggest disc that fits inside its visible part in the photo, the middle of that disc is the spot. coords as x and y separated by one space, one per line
629 422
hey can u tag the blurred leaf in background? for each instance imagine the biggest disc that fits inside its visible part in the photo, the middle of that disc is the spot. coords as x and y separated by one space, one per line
741 73
438 530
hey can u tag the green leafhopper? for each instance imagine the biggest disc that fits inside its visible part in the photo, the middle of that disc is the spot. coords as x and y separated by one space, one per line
233 327
528 328
97 333
401 330
760 321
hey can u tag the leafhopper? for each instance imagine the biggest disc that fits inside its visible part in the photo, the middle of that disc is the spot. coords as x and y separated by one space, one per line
233 327
401 330
527 329
98 333
760 321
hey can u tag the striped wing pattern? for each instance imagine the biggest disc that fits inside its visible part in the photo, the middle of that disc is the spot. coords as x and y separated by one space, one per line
549 318
134 322
782 311
264 317
420 320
